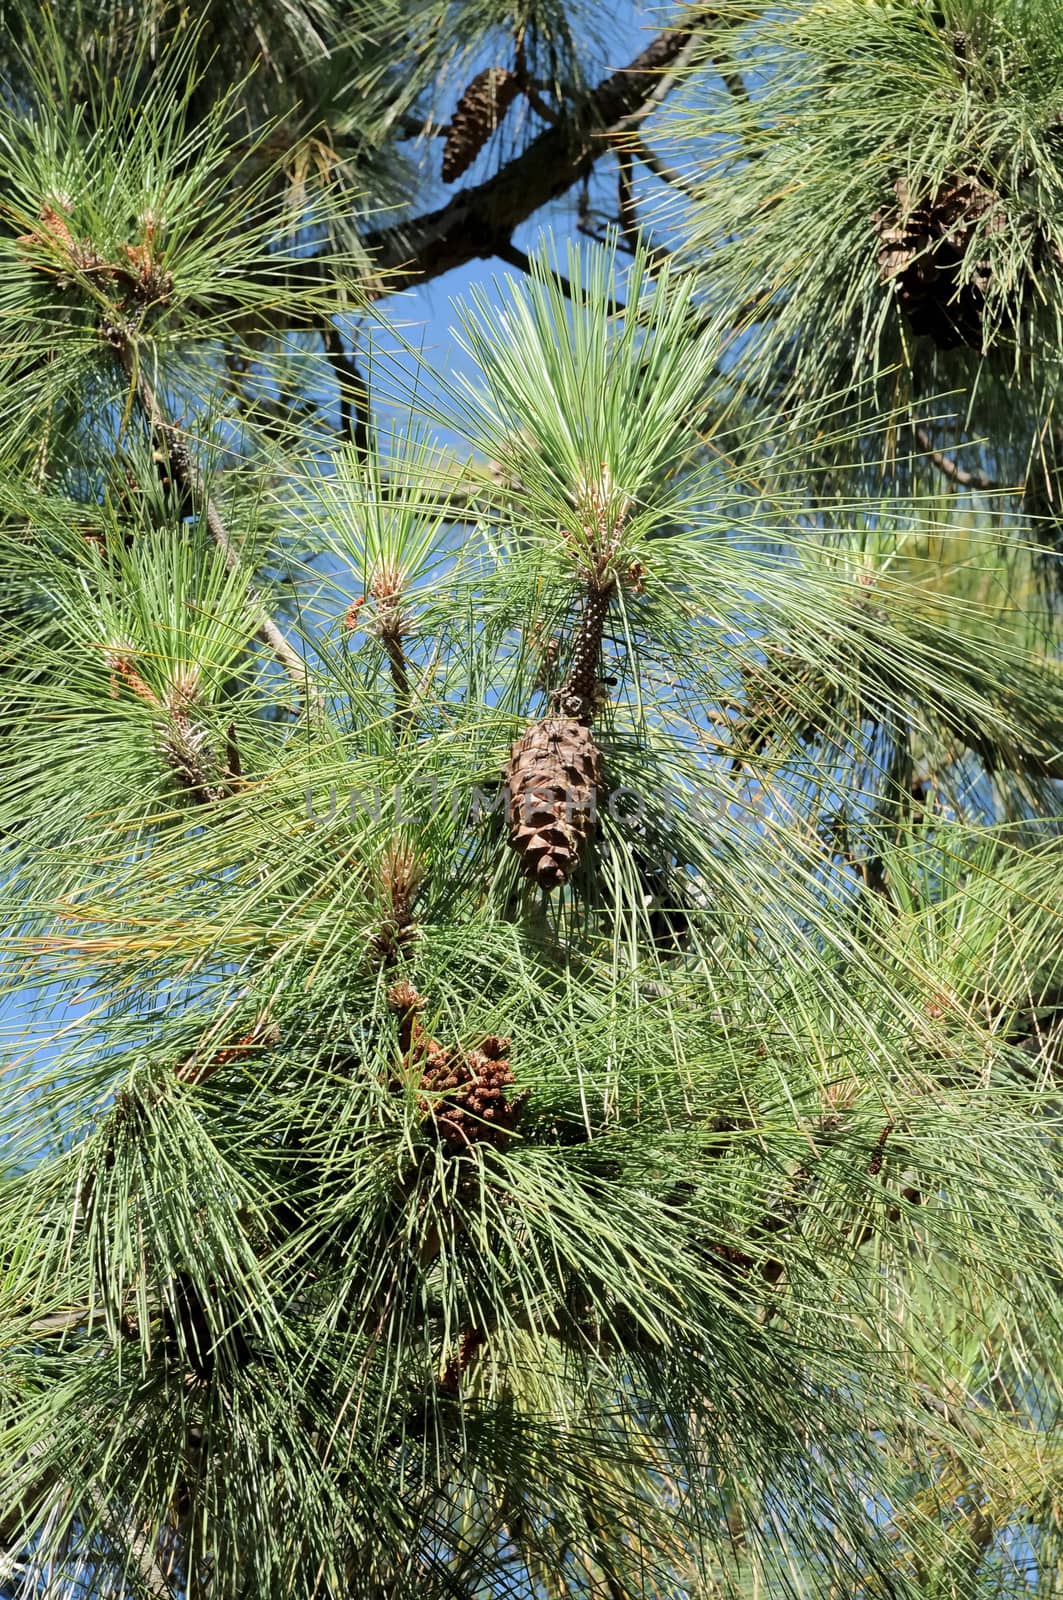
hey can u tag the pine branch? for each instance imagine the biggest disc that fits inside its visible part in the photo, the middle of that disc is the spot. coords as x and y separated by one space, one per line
400 676
190 478
949 468
531 87
476 221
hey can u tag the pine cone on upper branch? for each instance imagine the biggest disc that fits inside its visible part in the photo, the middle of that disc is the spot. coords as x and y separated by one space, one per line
923 253
477 114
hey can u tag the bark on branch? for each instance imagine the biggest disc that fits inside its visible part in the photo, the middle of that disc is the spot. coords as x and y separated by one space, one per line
481 218
948 467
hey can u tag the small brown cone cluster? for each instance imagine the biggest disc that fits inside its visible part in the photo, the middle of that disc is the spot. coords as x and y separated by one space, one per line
553 777
466 1094
477 114
52 248
923 250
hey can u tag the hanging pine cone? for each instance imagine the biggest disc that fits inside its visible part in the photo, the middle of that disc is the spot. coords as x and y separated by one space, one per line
922 250
556 767
553 777
476 116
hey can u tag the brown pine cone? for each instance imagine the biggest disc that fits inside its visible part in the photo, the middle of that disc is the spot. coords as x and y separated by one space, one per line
922 253
553 778
477 114
467 1097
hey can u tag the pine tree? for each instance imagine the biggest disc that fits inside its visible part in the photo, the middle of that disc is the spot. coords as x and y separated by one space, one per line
531 894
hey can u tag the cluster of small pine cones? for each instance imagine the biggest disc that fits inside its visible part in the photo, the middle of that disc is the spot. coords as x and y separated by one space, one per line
465 1094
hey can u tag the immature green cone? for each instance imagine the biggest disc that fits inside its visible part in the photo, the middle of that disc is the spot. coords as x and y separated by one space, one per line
187 751
481 108
553 776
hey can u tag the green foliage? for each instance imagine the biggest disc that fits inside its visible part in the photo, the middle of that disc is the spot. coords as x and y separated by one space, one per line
375 1223
884 204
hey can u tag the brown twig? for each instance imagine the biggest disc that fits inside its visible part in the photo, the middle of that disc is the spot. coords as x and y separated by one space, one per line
949 468
632 231
595 224
733 82
392 626
530 86
678 53
353 391
515 257
400 673
626 210
655 164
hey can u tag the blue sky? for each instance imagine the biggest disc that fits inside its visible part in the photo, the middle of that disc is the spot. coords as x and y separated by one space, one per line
425 316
